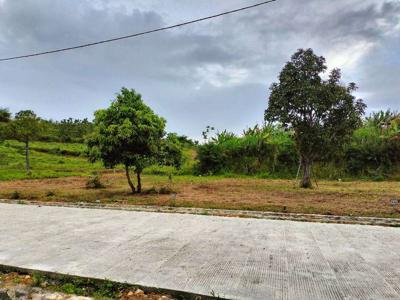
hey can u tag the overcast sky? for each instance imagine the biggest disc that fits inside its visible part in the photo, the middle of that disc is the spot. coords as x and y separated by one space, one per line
212 73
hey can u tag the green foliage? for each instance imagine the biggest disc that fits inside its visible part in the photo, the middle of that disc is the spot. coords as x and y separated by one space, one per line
94 182
170 152
258 150
66 131
73 130
5 115
127 133
375 148
372 152
5 118
26 126
322 113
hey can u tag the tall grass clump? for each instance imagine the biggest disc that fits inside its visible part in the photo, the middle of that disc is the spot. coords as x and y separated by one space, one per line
259 150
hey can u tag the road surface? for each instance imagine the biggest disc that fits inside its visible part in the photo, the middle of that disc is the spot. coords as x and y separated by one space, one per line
230 257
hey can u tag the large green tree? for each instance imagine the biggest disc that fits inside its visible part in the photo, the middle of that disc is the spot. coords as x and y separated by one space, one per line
323 113
25 128
128 133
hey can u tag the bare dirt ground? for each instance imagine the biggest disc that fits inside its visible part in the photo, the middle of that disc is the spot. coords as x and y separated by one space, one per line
357 198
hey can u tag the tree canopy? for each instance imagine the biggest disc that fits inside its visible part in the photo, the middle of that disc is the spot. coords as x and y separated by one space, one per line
5 118
323 113
128 133
26 127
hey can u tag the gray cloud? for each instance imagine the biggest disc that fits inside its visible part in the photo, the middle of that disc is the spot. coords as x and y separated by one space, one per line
213 73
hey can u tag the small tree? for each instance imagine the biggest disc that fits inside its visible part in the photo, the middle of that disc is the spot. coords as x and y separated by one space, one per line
322 113
5 115
170 153
128 133
26 127
5 118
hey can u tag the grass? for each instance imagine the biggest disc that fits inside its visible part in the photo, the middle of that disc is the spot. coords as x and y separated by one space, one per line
57 176
357 198
71 149
43 164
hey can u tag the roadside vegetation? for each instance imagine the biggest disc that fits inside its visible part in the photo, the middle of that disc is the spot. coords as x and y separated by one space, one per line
15 285
315 136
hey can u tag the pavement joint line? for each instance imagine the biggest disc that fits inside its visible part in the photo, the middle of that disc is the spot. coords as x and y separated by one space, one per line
376 221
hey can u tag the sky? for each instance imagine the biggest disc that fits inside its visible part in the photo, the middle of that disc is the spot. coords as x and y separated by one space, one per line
216 73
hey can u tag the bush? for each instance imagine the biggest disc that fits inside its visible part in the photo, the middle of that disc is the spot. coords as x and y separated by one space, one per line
50 194
258 150
166 190
372 152
94 182
15 195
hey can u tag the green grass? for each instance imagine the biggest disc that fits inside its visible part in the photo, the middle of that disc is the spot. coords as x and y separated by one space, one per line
70 149
43 164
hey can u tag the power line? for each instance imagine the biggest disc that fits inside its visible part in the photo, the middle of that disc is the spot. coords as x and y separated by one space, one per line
137 34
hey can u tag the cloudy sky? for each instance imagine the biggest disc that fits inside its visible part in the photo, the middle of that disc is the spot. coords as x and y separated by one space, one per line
212 73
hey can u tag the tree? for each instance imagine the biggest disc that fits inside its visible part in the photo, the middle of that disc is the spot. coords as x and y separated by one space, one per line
26 127
170 153
5 115
322 113
5 118
128 133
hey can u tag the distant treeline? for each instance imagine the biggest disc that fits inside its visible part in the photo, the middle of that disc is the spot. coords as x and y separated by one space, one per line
66 131
372 152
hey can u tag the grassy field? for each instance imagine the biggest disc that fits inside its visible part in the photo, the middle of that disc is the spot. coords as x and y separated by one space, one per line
47 161
69 149
357 198
59 176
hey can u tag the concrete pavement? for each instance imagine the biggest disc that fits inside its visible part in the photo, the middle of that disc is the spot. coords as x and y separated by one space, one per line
230 257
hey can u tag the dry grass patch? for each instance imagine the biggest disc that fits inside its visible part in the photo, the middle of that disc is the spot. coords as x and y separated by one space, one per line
359 198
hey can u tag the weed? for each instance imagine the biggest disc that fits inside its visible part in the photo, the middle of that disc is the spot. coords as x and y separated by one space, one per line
50 194
15 195
166 190
94 182
150 191
37 279
16 280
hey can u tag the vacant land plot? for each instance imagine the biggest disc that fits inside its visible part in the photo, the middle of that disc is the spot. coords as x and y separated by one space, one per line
358 198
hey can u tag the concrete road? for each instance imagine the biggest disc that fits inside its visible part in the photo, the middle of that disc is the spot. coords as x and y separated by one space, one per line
230 257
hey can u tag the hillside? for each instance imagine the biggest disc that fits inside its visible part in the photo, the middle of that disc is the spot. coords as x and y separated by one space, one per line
48 160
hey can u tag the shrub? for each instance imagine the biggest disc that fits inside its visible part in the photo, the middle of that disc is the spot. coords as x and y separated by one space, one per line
50 194
258 150
94 182
150 191
166 190
15 195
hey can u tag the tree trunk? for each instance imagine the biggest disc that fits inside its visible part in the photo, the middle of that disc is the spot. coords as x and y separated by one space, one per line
27 162
306 180
128 176
139 182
